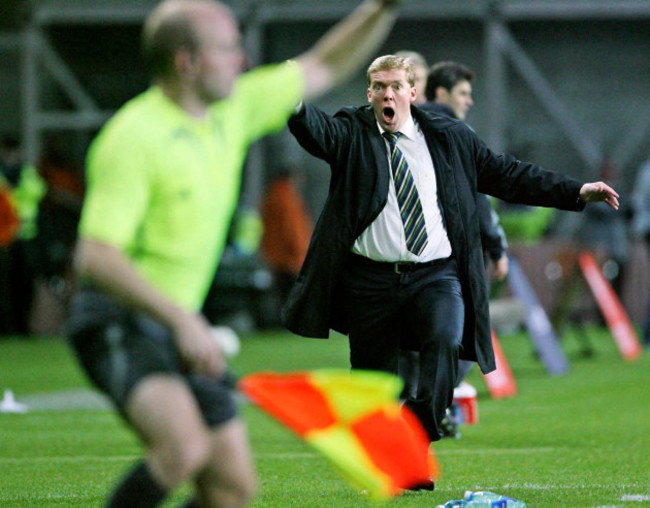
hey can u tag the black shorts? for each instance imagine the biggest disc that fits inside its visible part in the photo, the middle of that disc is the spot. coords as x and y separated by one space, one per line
118 348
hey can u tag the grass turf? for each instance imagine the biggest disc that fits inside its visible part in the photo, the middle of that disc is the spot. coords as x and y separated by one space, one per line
577 440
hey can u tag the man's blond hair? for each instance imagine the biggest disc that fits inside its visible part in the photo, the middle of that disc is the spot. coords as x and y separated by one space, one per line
392 63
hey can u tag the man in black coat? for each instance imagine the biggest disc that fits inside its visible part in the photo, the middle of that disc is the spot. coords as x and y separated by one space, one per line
365 276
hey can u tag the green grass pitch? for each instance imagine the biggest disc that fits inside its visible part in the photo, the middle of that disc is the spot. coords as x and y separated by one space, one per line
578 440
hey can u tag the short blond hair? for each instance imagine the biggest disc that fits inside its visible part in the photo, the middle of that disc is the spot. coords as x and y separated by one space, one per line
392 63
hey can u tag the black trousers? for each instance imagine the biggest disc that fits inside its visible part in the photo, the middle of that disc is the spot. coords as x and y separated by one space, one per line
409 370
421 309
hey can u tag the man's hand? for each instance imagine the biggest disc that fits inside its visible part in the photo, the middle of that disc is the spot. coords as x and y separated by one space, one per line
501 267
599 191
196 345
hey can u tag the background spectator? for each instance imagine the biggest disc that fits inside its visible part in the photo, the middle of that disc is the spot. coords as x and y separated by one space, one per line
287 231
641 223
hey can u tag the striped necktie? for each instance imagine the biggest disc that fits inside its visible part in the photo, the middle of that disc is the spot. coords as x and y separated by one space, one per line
407 197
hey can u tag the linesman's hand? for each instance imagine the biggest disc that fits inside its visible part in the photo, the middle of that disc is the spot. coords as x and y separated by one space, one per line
197 347
599 191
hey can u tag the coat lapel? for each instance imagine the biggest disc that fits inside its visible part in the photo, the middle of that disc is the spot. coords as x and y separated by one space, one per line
379 166
447 190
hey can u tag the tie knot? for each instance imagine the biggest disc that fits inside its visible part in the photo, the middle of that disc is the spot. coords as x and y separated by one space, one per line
392 137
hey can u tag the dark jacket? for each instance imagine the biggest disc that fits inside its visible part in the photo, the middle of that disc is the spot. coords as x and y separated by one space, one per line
352 145
493 238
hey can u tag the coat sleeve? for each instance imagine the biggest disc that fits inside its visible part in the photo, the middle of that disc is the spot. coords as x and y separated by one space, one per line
505 177
320 134
493 238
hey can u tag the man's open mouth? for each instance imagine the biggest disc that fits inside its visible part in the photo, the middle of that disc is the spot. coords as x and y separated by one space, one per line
388 114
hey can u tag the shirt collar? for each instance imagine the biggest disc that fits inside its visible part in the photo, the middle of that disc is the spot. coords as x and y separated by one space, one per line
408 130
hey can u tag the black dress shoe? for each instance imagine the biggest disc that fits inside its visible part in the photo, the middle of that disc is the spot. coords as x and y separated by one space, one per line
430 485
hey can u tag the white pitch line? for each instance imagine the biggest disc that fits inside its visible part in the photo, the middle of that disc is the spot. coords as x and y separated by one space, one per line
497 451
555 486
119 458
639 498
69 458
288 455
44 497
270 455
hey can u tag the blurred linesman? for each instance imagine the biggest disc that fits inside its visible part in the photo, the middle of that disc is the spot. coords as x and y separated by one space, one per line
163 179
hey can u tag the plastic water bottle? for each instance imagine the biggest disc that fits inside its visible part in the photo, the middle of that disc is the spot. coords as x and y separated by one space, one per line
490 500
456 503
483 499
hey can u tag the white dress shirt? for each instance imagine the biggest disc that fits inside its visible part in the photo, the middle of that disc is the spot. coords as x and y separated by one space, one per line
384 239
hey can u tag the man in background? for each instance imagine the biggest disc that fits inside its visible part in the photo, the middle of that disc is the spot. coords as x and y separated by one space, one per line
421 69
287 231
449 89
641 225
449 93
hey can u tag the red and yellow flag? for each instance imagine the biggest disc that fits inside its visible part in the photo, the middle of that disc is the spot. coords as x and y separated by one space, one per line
355 420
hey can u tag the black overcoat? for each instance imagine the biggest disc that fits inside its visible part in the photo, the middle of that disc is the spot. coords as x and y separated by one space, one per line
350 142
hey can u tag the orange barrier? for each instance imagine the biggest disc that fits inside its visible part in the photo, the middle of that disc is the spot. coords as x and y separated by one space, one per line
500 382
611 308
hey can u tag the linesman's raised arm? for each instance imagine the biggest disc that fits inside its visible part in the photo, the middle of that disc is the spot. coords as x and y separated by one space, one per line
347 45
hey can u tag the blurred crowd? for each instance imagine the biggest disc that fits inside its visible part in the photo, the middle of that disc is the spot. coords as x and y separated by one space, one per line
40 210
